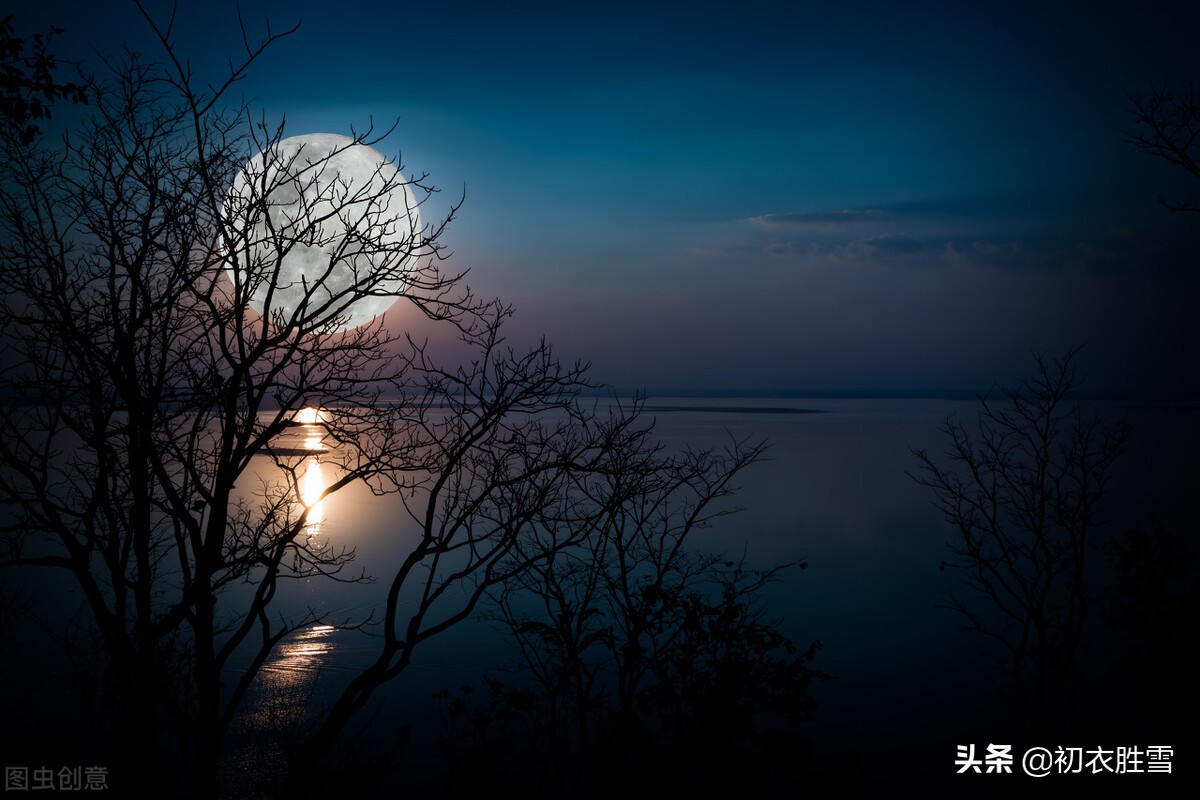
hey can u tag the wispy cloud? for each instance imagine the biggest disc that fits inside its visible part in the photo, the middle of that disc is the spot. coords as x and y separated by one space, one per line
885 245
815 219
981 253
793 249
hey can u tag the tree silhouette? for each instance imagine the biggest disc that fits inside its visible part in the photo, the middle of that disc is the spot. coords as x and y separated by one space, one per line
141 389
28 86
641 650
141 385
1148 605
1022 488
1168 127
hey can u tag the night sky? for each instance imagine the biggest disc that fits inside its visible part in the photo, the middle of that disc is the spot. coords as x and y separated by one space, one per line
758 197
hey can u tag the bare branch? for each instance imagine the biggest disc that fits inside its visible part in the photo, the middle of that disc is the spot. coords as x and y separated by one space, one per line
1167 126
1021 489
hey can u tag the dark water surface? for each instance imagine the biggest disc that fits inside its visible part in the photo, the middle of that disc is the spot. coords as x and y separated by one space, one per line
907 685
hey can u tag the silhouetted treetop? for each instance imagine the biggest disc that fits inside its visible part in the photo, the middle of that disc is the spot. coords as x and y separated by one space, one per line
1021 486
28 86
1168 126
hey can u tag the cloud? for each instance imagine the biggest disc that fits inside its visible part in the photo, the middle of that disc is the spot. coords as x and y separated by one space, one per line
815 219
982 253
884 245
888 245
720 251
792 249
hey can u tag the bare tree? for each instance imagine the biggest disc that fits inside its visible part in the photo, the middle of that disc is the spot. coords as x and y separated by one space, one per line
1022 488
140 385
1168 127
640 648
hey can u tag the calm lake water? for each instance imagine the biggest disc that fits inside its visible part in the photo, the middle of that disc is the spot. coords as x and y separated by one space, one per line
907 684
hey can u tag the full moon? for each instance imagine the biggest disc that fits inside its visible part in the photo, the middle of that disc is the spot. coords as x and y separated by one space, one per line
324 231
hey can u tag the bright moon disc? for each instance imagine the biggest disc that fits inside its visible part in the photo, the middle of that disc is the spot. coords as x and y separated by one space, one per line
321 227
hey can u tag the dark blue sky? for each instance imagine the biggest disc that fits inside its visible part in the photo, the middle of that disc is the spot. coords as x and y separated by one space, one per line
761 196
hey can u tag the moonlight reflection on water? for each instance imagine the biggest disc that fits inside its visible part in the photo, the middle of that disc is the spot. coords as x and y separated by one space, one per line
312 486
287 680
277 711
306 437
300 657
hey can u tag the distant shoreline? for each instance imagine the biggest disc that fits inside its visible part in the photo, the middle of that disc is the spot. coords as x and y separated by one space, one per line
738 409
